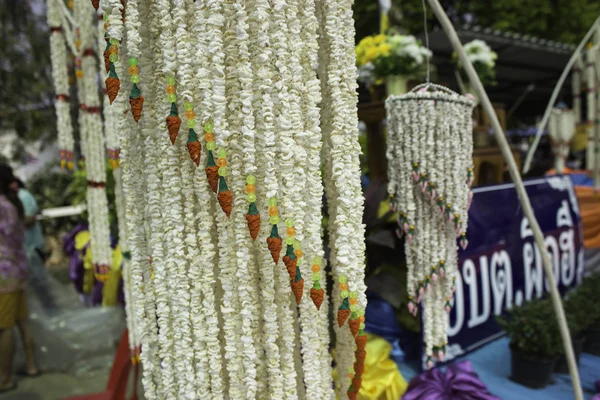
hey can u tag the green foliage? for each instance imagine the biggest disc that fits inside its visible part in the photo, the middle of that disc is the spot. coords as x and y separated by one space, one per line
53 188
532 329
562 20
26 98
581 306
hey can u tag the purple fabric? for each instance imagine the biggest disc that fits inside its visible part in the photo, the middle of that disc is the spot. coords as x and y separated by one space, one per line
597 395
76 270
13 261
97 293
459 382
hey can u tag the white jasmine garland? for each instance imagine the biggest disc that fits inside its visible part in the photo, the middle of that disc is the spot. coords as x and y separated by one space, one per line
242 164
266 186
180 230
58 58
219 47
207 329
256 85
286 177
311 97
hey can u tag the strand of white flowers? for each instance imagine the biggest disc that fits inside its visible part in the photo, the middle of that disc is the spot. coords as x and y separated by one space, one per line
141 286
242 163
70 23
205 323
92 135
214 87
286 177
403 152
183 231
219 23
267 186
111 115
251 167
197 383
301 199
327 126
314 242
149 164
115 20
58 58
351 98
157 178
342 171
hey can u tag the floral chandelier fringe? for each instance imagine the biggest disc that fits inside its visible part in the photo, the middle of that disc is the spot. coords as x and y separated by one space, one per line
430 154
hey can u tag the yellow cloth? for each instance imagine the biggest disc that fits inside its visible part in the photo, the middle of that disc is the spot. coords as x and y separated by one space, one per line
381 380
111 286
110 290
13 308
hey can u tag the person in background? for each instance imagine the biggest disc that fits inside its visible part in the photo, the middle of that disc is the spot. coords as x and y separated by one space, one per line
13 280
34 249
34 237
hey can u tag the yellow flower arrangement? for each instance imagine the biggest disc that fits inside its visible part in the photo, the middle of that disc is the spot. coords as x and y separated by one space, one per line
380 56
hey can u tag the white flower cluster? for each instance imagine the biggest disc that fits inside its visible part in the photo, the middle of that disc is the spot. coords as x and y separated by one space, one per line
93 145
478 51
429 155
340 135
407 46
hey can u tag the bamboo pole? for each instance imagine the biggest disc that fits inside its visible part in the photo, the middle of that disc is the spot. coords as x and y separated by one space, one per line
521 192
555 93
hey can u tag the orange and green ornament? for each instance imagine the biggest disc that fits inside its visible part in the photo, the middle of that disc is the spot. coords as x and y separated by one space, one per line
316 292
193 144
224 195
113 84
354 321
344 308
173 119
252 216
274 241
212 169
298 285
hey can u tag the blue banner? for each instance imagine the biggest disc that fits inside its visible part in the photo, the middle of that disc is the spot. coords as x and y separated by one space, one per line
502 266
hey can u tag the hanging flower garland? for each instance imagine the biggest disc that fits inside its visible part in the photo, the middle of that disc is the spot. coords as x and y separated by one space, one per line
256 95
430 134
132 26
207 332
58 58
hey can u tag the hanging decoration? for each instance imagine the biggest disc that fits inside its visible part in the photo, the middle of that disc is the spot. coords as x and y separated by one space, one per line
430 171
207 209
58 57
561 128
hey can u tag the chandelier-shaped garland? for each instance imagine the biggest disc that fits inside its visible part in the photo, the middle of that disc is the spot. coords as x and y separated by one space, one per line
430 173
223 217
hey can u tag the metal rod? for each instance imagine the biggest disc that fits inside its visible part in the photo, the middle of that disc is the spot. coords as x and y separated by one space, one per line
521 192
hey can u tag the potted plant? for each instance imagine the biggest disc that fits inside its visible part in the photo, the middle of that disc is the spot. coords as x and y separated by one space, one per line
534 342
391 59
585 304
575 310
